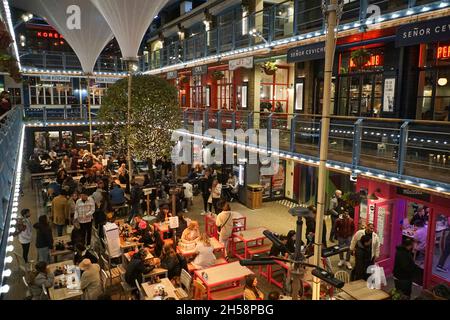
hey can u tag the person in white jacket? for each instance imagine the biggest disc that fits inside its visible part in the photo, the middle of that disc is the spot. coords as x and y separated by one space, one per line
84 211
375 241
24 232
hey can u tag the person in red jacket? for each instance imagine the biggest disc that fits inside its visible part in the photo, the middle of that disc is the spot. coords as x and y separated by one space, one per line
344 229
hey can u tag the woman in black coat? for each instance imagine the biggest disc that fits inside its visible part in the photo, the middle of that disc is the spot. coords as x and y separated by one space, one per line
363 258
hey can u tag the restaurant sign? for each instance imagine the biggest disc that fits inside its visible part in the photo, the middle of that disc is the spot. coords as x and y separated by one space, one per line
309 52
199 70
172 75
106 80
55 78
246 63
423 32
413 193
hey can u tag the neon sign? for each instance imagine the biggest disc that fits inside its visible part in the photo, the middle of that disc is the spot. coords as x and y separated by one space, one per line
50 35
375 60
443 52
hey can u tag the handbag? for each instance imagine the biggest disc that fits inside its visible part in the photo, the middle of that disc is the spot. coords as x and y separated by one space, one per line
210 199
69 229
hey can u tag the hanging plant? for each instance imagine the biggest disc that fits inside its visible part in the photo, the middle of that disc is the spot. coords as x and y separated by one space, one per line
218 75
6 62
184 80
5 37
360 58
269 67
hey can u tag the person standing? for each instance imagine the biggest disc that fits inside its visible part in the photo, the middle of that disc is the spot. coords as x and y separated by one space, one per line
24 232
205 187
84 211
404 267
363 258
188 194
60 213
446 252
335 209
375 241
136 195
344 229
224 223
44 239
216 193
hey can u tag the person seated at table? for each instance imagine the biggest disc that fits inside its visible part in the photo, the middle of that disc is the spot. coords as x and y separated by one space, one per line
122 169
52 154
53 189
76 236
164 213
205 253
172 261
182 224
69 185
61 175
116 195
82 253
191 234
39 278
151 239
90 281
137 268
136 221
97 166
88 178
251 291
363 258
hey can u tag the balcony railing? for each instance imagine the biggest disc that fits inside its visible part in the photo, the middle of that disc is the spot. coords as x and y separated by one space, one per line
45 115
394 147
278 22
44 60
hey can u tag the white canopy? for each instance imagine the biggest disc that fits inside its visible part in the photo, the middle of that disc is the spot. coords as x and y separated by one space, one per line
129 20
87 38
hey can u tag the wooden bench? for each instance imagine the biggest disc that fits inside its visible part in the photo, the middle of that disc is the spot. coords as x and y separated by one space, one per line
228 293
219 261
258 250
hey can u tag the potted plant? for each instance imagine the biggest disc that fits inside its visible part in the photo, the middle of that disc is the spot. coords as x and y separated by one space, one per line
218 75
360 58
269 67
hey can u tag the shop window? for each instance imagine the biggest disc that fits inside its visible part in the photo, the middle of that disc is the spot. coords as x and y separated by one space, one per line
50 93
97 93
274 91
16 96
225 91
441 250
433 95
197 93
274 185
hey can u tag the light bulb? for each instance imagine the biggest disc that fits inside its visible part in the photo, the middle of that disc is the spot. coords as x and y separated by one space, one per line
9 248
7 273
8 259
4 289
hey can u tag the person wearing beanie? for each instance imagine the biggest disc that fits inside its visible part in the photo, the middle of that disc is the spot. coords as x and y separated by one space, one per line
90 281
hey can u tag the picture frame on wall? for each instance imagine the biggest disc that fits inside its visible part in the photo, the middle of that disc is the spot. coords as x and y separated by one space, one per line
299 95
389 94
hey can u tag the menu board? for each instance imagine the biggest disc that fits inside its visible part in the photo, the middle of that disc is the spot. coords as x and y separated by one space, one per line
112 239
380 223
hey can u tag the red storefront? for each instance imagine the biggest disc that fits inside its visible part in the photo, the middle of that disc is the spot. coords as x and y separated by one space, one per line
390 208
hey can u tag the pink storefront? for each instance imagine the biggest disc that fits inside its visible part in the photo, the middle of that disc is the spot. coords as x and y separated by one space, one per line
390 208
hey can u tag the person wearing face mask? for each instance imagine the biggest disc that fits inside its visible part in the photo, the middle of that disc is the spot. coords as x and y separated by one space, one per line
368 230
84 211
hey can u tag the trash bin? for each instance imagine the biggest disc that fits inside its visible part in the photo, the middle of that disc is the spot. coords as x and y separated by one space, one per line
254 196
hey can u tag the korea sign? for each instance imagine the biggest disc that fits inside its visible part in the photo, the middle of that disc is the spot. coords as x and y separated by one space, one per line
309 52
246 63
423 32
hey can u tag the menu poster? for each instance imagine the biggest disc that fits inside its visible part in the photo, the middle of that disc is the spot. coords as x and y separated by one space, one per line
371 212
112 239
380 223
389 93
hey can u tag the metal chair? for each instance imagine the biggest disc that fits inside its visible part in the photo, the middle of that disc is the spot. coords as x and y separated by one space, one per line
141 291
186 281
126 288
27 292
343 276
113 273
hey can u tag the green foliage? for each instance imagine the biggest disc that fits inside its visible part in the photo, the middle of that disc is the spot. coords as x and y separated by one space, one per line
154 113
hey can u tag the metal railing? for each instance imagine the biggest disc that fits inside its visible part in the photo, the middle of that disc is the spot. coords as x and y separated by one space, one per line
278 22
67 113
401 148
10 134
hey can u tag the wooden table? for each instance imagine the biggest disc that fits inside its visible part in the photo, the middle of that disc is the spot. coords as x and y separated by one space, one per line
224 276
156 272
124 245
149 289
251 238
162 228
63 293
55 253
357 290
217 247
128 256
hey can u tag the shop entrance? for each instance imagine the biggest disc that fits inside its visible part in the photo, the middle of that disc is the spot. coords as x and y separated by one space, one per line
360 94
437 262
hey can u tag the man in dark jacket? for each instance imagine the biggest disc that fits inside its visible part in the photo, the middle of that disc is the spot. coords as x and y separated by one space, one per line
136 195
363 258
205 186
404 267
311 228
137 268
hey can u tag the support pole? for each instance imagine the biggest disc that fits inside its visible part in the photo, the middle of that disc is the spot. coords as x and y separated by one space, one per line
330 12
130 161
89 112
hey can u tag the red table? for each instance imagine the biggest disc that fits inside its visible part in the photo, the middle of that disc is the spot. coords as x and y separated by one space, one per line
252 238
224 276
218 247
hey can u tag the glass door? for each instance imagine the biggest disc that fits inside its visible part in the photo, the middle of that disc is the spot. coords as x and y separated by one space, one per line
438 263
383 227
